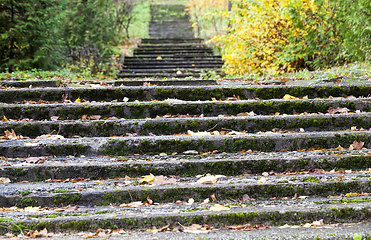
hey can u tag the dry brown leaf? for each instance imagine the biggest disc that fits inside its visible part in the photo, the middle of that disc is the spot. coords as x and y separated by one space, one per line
35 160
54 118
132 204
161 180
356 145
196 228
246 227
95 117
164 228
332 110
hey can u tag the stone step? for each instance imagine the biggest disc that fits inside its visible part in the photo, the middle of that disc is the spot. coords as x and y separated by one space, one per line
166 69
171 40
174 107
176 58
84 192
20 169
277 213
176 55
159 75
160 52
173 45
98 92
120 146
136 67
162 82
334 231
159 62
168 126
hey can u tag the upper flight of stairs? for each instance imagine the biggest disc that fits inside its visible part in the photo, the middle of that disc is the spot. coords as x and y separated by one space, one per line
171 51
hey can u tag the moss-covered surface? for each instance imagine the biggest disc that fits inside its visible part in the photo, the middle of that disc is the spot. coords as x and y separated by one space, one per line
189 93
188 168
144 110
165 195
175 126
231 145
271 218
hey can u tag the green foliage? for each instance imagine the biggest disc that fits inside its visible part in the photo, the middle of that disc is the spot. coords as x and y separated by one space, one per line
47 34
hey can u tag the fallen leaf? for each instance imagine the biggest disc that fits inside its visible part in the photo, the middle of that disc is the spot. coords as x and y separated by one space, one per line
332 110
246 227
35 160
5 119
32 209
351 194
4 180
148 201
196 228
159 58
219 207
78 100
54 118
132 204
161 180
95 117
356 145
49 137
209 179
147 179
288 96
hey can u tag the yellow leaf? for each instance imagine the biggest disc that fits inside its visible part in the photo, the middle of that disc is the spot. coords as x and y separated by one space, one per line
218 207
5 119
159 58
288 96
147 178
32 209
78 100
351 194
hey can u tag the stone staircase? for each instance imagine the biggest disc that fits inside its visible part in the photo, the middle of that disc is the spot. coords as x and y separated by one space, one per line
171 51
268 161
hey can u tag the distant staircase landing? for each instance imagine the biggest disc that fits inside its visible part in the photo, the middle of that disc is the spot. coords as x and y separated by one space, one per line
172 51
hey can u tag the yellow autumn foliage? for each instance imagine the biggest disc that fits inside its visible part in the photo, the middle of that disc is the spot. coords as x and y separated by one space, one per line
270 36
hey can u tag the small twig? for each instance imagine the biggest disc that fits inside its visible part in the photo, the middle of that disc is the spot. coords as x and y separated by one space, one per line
212 128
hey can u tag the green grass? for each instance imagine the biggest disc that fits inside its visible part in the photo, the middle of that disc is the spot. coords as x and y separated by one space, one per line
140 23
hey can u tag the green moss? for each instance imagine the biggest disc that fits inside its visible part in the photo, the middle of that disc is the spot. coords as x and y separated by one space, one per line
66 199
25 202
25 193
63 190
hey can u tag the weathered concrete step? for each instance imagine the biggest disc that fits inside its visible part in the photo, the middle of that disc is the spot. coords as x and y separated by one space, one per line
166 69
121 190
176 58
155 62
167 126
165 52
158 75
348 231
121 146
174 107
190 93
171 40
170 66
176 55
172 45
162 82
146 217
183 165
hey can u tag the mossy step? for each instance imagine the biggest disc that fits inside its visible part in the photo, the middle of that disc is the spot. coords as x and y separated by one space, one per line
174 107
160 62
168 126
158 75
121 146
183 165
187 93
176 58
171 40
121 190
167 67
161 82
171 51
345 231
158 216
34 83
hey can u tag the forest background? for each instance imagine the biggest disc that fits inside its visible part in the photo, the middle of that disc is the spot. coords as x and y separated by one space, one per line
255 37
